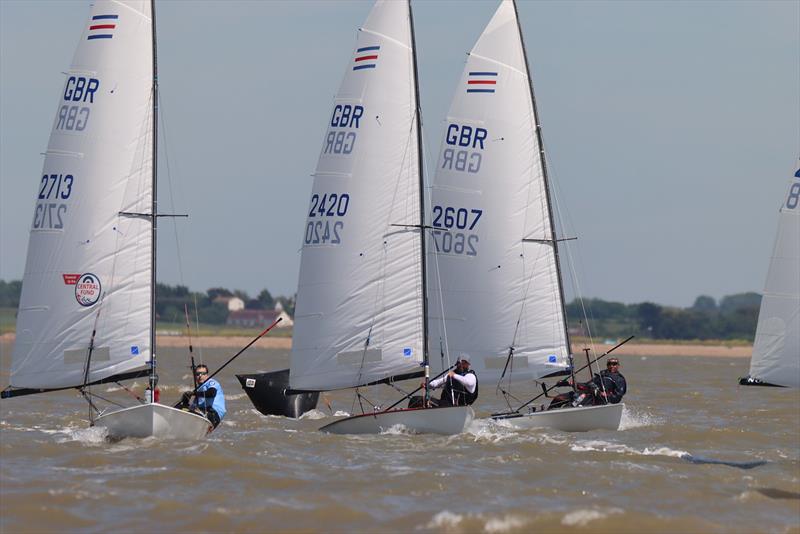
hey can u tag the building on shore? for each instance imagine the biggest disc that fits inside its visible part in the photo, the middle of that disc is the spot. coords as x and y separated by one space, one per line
232 303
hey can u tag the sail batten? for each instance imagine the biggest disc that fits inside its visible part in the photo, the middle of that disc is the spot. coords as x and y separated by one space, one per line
88 268
495 288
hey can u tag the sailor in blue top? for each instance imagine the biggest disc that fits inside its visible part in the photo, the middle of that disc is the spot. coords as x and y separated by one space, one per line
209 397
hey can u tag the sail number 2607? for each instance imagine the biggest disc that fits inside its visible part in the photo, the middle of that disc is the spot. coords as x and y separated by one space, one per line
324 225
451 240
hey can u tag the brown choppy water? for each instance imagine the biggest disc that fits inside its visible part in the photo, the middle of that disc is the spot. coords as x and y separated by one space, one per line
259 474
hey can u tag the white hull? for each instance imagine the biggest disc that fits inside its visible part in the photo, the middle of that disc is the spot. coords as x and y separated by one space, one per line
578 419
448 421
154 420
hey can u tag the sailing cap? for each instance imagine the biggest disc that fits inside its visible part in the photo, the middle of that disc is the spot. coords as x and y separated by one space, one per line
464 357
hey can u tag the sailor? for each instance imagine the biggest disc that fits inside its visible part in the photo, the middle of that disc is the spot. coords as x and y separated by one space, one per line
209 397
460 385
610 382
608 387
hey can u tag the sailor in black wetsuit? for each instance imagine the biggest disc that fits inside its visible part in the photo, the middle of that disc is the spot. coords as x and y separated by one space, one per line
608 387
611 384
460 385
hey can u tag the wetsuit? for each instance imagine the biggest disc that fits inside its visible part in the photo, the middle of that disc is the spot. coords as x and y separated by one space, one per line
614 384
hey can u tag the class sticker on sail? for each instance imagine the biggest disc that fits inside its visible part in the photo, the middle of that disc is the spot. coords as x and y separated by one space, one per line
87 289
481 82
102 27
366 57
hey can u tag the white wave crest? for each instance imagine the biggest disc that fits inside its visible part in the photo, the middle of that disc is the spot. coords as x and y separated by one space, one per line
313 414
397 430
504 524
581 518
606 446
445 520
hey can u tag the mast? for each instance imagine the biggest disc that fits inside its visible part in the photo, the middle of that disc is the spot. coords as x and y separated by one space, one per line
154 209
546 184
418 112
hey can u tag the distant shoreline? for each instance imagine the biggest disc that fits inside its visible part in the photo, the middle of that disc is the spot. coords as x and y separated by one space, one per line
720 350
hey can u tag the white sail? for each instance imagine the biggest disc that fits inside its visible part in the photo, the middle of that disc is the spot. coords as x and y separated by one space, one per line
359 315
88 267
489 290
776 351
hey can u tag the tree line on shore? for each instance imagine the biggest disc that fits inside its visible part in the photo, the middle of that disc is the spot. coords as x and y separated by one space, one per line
733 317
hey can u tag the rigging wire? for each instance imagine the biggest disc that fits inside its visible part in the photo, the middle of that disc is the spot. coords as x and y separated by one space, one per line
445 355
575 261
164 142
164 138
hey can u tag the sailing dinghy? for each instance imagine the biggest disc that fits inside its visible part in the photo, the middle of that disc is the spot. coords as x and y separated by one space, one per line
86 313
776 350
495 252
361 313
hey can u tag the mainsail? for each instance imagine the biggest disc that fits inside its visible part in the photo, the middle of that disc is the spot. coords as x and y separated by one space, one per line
493 268
89 267
776 350
359 313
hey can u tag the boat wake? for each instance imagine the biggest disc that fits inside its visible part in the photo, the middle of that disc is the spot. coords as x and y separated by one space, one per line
491 430
605 446
398 430
92 435
635 419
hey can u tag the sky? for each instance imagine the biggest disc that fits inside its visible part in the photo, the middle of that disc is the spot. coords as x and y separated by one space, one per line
672 130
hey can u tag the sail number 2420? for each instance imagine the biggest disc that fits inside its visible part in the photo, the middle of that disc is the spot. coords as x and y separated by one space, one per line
325 216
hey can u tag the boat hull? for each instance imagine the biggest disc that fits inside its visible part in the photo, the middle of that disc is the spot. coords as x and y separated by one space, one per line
447 420
154 420
267 393
577 419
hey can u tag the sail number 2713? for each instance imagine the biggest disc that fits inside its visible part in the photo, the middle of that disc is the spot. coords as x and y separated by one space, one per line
50 208
325 216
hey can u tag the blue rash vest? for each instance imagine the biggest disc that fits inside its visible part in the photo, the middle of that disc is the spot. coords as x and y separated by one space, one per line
218 403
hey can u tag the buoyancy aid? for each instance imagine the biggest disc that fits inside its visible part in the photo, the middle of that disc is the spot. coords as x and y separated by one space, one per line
456 394
218 402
